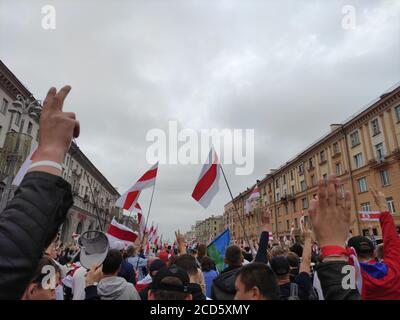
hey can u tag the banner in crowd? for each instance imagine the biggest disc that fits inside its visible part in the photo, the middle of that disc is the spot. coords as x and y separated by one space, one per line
216 249
369 215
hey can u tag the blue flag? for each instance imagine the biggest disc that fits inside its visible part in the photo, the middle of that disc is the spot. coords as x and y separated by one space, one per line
216 249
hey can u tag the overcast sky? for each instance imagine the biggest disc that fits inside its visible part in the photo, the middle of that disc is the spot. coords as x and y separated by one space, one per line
286 69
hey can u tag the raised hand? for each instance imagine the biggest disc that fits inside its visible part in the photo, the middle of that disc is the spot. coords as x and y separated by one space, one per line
380 199
57 128
330 214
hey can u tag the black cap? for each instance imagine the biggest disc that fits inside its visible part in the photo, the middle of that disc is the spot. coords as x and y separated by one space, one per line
280 265
361 244
180 283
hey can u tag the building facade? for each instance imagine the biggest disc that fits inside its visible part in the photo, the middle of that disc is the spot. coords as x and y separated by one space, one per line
363 151
94 196
208 229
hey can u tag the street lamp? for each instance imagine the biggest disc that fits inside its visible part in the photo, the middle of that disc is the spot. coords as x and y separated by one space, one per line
22 106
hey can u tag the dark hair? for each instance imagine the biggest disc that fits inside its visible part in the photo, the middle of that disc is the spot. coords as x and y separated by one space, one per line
39 273
297 249
201 251
261 276
169 294
131 251
293 259
207 264
188 263
112 262
233 256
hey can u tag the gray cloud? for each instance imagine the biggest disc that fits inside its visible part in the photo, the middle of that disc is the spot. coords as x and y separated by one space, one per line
285 68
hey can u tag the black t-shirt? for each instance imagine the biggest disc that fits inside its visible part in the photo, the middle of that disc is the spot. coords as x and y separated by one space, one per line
303 281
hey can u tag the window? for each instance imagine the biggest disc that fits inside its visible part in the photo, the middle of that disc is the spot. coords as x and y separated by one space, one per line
301 169
17 118
278 210
322 156
380 153
291 175
358 160
338 169
305 203
385 178
4 106
278 196
277 183
355 139
362 185
29 129
336 148
313 180
293 190
325 177
366 206
375 127
311 163
397 110
284 179
287 225
390 204
303 185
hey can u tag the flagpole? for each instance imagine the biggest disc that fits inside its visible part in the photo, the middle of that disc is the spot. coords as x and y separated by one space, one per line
236 210
147 219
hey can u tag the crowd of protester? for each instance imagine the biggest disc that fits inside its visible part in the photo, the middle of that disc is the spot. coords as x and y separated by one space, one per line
309 269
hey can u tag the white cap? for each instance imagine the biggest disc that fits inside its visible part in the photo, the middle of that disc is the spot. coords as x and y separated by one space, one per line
118 245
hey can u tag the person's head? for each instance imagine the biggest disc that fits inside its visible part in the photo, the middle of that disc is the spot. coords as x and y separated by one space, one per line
207 264
188 263
201 251
247 249
118 245
297 249
379 251
363 246
280 266
233 256
112 263
131 251
170 284
276 251
293 259
43 282
256 281
171 260
155 266
192 252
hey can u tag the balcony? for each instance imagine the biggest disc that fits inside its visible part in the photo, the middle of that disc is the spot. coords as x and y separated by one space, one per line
284 199
311 168
378 163
336 154
291 197
396 154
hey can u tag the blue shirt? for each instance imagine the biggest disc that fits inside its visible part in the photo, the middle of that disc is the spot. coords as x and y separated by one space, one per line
209 277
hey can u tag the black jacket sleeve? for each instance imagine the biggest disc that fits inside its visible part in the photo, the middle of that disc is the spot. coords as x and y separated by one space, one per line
91 293
27 226
262 248
330 275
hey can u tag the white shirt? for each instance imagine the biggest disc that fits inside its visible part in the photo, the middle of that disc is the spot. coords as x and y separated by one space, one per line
79 284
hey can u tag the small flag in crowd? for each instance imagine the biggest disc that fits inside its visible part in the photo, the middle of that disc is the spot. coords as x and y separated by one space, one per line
216 249
369 215
207 184
24 168
119 232
129 199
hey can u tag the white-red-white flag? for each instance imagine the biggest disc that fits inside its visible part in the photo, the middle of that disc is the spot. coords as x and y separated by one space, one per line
24 168
140 218
369 215
129 199
207 184
255 194
119 232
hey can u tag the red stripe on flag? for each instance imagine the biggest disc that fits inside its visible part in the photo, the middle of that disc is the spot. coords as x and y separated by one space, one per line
205 182
121 234
130 198
148 175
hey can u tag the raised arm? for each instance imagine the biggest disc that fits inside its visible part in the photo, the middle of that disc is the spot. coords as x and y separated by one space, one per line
32 218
